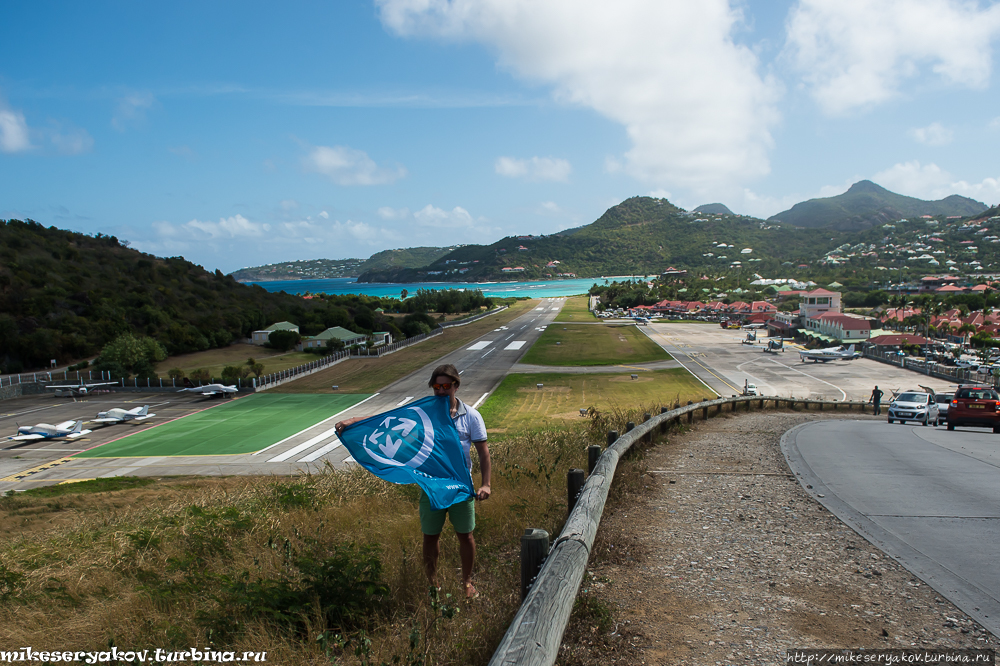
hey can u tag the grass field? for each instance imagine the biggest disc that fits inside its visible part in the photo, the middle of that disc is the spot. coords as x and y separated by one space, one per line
367 375
608 344
236 426
214 360
519 405
575 310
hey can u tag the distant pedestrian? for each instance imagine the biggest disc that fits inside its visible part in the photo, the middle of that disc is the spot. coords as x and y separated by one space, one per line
876 400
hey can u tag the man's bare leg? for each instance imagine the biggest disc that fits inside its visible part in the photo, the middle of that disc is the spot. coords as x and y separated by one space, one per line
432 549
467 551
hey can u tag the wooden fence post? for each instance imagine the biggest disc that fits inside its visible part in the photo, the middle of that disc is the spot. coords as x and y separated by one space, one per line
534 550
593 453
630 426
574 483
663 424
612 437
649 435
690 414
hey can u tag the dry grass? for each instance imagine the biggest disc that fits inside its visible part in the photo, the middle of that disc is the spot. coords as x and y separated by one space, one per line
214 360
575 310
367 375
158 566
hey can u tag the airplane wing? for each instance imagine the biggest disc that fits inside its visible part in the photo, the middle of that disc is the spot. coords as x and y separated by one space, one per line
209 393
27 438
74 435
143 418
66 425
105 420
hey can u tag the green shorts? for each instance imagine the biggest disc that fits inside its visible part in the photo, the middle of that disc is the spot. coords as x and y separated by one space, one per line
462 516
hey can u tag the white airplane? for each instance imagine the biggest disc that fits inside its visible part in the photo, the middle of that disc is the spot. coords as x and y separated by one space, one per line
828 354
119 415
64 390
68 429
753 326
208 390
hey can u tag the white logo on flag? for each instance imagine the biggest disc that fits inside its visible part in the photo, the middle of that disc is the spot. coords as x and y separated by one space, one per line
389 439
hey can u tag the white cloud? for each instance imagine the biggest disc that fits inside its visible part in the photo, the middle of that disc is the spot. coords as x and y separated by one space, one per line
236 226
131 110
325 215
659 194
929 181
347 166
13 131
536 168
73 141
934 134
430 216
857 53
388 213
549 208
693 104
289 204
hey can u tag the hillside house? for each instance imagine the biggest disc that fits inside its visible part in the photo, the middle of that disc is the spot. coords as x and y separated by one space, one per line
349 338
260 337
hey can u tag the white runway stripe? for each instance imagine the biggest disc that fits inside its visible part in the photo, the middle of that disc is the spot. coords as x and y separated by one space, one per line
313 426
517 344
304 446
407 399
482 344
480 401
319 453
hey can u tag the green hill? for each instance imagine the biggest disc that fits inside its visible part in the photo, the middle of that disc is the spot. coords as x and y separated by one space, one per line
318 269
866 204
713 209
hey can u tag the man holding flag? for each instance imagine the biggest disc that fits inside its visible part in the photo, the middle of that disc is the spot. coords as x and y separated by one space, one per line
433 450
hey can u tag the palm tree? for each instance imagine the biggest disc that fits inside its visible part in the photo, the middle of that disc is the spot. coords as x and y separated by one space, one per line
964 329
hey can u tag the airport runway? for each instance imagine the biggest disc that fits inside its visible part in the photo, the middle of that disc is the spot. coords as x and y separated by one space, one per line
927 497
482 363
718 357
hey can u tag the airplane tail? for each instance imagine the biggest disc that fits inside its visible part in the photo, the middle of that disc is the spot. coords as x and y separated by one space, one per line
78 427
143 411
850 350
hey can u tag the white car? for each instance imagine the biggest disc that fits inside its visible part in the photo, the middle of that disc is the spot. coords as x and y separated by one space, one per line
914 406
751 389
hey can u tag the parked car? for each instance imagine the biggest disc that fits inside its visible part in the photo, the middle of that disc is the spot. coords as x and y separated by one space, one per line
974 406
943 401
914 406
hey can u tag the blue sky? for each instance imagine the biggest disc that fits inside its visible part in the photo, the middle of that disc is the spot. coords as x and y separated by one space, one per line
243 133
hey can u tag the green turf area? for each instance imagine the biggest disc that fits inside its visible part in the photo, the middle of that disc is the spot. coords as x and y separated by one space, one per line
518 404
575 310
593 344
236 426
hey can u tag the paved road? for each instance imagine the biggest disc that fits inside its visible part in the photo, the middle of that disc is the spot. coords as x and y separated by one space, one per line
718 358
482 364
927 497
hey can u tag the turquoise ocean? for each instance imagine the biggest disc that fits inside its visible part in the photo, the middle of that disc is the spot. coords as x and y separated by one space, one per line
535 289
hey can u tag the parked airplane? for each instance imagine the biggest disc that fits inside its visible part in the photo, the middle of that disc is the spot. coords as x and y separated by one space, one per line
65 390
68 429
751 338
641 321
119 415
775 346
753 326
209 390
828 354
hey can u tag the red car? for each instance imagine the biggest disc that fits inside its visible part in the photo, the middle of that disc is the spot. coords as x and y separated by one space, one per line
974 406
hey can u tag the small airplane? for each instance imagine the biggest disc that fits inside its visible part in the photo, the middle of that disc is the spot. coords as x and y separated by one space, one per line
68 429
641 321
775 346
751 338
828 354
209 390
119 415
83 388
753 326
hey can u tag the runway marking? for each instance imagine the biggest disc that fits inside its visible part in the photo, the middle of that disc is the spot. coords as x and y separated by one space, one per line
319 453
409 398
21 476
479 346
304 446
510 336
822 381
488 353
480 401
312 426
514 346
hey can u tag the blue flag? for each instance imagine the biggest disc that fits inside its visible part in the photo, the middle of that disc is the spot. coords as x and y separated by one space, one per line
417 443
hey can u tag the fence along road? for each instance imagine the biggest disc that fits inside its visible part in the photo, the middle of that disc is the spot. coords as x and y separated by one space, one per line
535 634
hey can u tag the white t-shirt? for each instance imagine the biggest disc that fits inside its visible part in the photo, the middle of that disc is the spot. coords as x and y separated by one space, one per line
471 428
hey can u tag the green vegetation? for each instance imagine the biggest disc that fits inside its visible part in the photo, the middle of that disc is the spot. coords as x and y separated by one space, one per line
866 205
76 488
593 344
316 269
65 295
214 361
518 405
575 310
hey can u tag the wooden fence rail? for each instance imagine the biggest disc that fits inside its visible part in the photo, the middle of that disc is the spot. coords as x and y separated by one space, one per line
534 636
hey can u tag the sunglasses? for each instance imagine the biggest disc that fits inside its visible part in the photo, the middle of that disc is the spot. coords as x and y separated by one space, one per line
442 387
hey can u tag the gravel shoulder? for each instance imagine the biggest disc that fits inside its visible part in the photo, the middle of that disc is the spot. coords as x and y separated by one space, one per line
716 555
